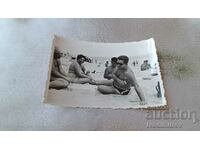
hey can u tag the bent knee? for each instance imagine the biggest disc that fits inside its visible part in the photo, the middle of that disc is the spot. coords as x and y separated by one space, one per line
100 88
65 84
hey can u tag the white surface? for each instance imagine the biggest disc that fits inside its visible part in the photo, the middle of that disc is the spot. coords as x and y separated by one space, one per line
23 109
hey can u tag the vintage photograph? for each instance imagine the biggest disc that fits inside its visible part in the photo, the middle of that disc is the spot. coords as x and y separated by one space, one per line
105 75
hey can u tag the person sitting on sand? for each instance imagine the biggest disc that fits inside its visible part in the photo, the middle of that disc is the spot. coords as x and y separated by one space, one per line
145 65
58 78
106 64
123 80
111 69
77 72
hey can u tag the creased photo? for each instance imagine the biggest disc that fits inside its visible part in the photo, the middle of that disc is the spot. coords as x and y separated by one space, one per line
105 75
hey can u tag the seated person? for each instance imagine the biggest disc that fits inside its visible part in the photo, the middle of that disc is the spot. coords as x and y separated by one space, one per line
111 69
145 65
58 79
123 80
106 64
77 72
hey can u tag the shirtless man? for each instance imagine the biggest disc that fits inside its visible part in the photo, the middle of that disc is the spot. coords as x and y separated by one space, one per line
111 69
77 72
58 78
123 80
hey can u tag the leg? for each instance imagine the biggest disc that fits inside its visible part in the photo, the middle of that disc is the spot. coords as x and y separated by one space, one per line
103 82
107 89
81 81
58 84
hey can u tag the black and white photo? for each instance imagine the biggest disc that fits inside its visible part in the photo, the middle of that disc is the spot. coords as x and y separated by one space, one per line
105 75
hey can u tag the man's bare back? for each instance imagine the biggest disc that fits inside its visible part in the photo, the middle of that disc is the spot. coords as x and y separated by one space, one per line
58 78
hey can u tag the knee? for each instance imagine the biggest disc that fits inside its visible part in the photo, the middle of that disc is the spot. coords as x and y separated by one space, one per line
65 84
100 88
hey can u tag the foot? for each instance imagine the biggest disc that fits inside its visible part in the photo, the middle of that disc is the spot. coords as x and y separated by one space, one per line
93 82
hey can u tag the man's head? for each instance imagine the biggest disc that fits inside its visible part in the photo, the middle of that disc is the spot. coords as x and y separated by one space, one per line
57 54
122 62
114 61
81 58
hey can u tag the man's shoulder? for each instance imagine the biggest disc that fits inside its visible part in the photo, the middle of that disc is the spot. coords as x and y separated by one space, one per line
129 72
56 62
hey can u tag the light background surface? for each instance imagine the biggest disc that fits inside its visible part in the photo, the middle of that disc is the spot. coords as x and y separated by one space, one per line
26 44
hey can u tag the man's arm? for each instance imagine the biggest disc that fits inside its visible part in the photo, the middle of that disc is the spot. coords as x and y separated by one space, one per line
138 90
61 70
86 72
83 69
121 82
106 74
57 73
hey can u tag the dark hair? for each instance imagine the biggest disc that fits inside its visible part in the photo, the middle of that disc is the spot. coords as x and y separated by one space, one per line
124 58
114 59
80 56
57 53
